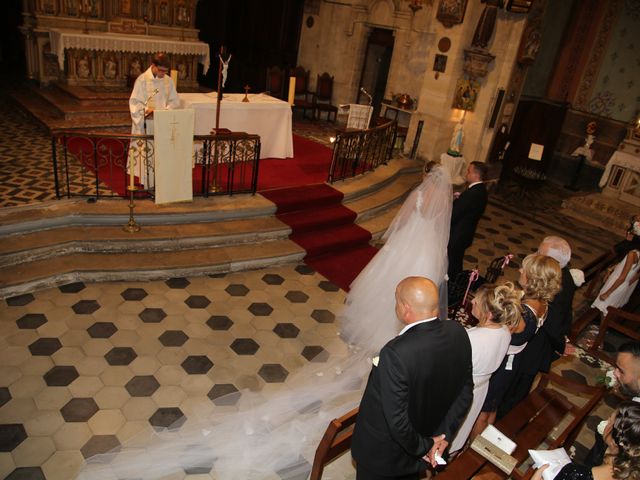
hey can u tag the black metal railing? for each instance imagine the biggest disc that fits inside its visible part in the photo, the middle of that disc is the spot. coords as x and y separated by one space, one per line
95 164
359 151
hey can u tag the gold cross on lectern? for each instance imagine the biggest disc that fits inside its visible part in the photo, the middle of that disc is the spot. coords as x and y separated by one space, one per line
172 139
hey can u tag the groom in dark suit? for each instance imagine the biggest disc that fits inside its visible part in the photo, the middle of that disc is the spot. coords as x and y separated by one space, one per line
418 392
465 215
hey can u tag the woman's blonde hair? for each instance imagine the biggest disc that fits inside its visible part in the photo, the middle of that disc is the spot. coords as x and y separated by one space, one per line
544 277
501 301
626 434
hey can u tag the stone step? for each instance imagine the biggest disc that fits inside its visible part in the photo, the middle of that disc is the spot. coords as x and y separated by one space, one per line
72 240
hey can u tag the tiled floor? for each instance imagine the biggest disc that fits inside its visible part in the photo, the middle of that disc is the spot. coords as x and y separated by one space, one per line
85 367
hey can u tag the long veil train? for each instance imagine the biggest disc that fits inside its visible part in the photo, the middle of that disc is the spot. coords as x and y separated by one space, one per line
274 433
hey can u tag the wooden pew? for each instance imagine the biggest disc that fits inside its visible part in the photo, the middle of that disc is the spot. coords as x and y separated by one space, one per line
336 441
529 424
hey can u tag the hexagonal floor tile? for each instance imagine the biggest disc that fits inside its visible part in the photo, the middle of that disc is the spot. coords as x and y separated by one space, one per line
5 395
219 322
79 409
142 386
244 346
120 356
11 435
296 296
60 376
72 287
328 286
574 376
286 330
20 300
273 373
31 320
217 275
152 315
27 473
171 418
304 270
173 338
197 301
99 444
45 346
85 307
133 294
102 330
323 316
177 283
224 394
315 353
272 279
260 309
197 364
237 290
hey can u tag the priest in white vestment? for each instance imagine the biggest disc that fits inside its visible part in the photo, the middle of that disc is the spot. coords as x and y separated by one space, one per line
153 90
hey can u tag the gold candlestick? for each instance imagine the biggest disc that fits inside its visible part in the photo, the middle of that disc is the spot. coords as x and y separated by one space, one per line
132 226
246 93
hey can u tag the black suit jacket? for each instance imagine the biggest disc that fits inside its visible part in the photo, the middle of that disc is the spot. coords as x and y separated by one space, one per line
541 350
465 215
422 387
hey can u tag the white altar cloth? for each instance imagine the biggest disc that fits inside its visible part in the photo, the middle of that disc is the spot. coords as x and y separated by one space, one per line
455 166
263 115
623 159
114 42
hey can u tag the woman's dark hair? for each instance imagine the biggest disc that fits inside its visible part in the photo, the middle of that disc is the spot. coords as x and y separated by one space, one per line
626 434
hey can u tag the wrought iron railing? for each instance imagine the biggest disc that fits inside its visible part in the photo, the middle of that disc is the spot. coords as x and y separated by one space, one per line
359 151
95 164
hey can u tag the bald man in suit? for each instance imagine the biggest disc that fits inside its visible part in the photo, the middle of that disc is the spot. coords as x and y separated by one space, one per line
419 390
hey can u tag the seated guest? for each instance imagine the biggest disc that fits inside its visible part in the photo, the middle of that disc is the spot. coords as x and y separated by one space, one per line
540 276
497 309
549 342
627 375
622 459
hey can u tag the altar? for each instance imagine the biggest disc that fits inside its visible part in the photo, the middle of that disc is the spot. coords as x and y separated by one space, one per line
262 115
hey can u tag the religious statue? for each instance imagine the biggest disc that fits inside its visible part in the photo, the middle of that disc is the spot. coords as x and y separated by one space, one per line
486 24
455 146
135 68
110 68
164 13
182 71
83 67
225 67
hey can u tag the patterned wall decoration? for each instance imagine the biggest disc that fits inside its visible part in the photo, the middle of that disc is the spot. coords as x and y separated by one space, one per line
614 67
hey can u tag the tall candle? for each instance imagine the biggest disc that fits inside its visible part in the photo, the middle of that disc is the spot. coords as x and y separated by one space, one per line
292 89
174 77
131 172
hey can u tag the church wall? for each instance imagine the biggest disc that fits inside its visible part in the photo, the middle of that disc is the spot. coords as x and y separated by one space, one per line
337 42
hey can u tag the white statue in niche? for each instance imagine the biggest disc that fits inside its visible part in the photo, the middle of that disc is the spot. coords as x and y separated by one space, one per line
182 71
110 68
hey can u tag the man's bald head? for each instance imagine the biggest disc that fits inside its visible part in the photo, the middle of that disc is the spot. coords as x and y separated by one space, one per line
416 299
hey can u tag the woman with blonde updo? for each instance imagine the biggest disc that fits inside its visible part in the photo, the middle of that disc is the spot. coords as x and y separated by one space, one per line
541 279
622 458
497 309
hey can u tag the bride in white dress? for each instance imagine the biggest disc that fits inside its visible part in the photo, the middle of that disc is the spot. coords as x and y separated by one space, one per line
274 435
416 245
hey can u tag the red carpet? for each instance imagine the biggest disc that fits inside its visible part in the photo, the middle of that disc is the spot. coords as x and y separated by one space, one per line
310 164
335 246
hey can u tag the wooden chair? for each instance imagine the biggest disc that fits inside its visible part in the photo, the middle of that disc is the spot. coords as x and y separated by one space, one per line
623 322
545 415
336 441
303 97
275 82
322 97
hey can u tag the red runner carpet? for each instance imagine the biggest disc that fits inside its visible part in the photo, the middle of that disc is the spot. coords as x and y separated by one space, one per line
335 246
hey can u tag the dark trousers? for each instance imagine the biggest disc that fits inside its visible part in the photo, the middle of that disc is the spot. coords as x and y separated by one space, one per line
517 392
364 474
456 257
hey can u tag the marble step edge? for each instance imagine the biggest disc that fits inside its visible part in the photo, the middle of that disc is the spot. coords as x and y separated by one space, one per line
78 212
234 258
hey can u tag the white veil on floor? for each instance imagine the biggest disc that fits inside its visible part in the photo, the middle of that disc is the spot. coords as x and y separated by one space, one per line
274 433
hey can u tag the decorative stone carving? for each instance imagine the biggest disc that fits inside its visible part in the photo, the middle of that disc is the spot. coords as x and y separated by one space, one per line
476 63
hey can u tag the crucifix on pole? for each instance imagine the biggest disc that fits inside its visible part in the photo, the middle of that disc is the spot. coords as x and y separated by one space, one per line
223 66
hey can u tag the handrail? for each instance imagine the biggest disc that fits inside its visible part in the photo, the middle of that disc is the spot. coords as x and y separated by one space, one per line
95 164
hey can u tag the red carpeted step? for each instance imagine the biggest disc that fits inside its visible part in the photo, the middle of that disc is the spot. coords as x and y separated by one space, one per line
336 239
294 199
307 220
342 268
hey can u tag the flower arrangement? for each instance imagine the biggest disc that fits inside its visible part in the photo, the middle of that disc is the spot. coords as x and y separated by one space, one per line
608 379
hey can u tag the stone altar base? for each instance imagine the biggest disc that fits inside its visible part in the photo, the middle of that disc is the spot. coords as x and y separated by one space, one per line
604 212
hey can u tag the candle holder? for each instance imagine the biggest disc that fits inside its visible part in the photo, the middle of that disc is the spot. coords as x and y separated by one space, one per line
132 226
246 93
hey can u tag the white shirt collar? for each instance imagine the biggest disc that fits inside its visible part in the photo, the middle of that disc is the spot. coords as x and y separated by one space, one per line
472 184
407 327
636 399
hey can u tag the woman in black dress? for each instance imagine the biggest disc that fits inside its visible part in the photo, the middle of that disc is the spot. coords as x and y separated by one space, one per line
622 460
